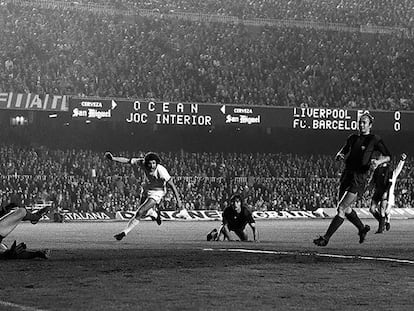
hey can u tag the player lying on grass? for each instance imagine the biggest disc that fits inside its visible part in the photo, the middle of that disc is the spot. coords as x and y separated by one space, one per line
235 218
383 199
158 179
10 217
20 251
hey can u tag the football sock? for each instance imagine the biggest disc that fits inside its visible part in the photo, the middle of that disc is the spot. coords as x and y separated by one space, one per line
131 224
377 216
381 224
354 219
387 218
335 224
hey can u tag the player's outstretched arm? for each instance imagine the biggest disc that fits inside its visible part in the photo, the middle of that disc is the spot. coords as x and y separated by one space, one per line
255 232
220 233
340 156
226 233
174 189
400 164
109 156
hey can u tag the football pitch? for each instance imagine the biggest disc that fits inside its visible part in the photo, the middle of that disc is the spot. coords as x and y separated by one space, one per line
173 267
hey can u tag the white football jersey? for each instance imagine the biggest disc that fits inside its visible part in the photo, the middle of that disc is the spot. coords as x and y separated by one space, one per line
157 179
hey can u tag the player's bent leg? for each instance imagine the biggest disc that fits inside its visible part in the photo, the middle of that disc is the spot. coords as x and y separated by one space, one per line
242 235
383 207
212 235
336 222
220 233
145 207
356 221
141 213
388 215
10 221
36 216
374 211
155 214
352 216
343 209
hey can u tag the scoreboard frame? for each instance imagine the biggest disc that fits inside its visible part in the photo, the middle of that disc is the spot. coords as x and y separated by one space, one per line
147 112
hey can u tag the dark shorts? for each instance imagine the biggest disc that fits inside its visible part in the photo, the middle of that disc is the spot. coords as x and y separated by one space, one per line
240 233
381 181
380 193
352 181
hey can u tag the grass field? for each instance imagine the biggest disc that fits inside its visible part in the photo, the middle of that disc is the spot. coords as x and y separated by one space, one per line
173 267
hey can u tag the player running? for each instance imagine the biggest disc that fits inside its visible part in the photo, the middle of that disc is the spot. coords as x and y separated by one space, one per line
157 179
358 155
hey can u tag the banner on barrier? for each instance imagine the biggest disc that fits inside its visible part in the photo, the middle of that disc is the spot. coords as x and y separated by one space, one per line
34 102
396 213
400 213
216 215
211 215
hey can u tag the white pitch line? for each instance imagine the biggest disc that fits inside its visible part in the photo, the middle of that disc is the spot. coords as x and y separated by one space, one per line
17 306
241 250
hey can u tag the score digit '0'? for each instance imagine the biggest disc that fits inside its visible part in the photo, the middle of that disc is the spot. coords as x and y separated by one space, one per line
397 118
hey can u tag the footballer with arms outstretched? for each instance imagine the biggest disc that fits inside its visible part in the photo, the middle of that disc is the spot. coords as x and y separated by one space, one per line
155 189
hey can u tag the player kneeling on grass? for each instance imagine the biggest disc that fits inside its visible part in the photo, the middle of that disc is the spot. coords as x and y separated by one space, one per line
235 218
157 179
10 217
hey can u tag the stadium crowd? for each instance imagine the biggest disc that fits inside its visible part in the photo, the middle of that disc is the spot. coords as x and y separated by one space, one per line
84 53
350 12
60 51
81 180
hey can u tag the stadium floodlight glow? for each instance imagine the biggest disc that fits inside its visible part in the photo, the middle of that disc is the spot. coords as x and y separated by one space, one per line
53 115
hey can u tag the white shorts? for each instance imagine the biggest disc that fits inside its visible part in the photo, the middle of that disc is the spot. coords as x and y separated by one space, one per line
156 195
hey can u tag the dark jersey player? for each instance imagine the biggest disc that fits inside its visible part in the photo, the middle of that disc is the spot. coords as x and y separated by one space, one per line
358 156
235 218
383 182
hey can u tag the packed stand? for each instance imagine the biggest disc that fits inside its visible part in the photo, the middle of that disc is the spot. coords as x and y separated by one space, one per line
80 53
398 13
83 181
